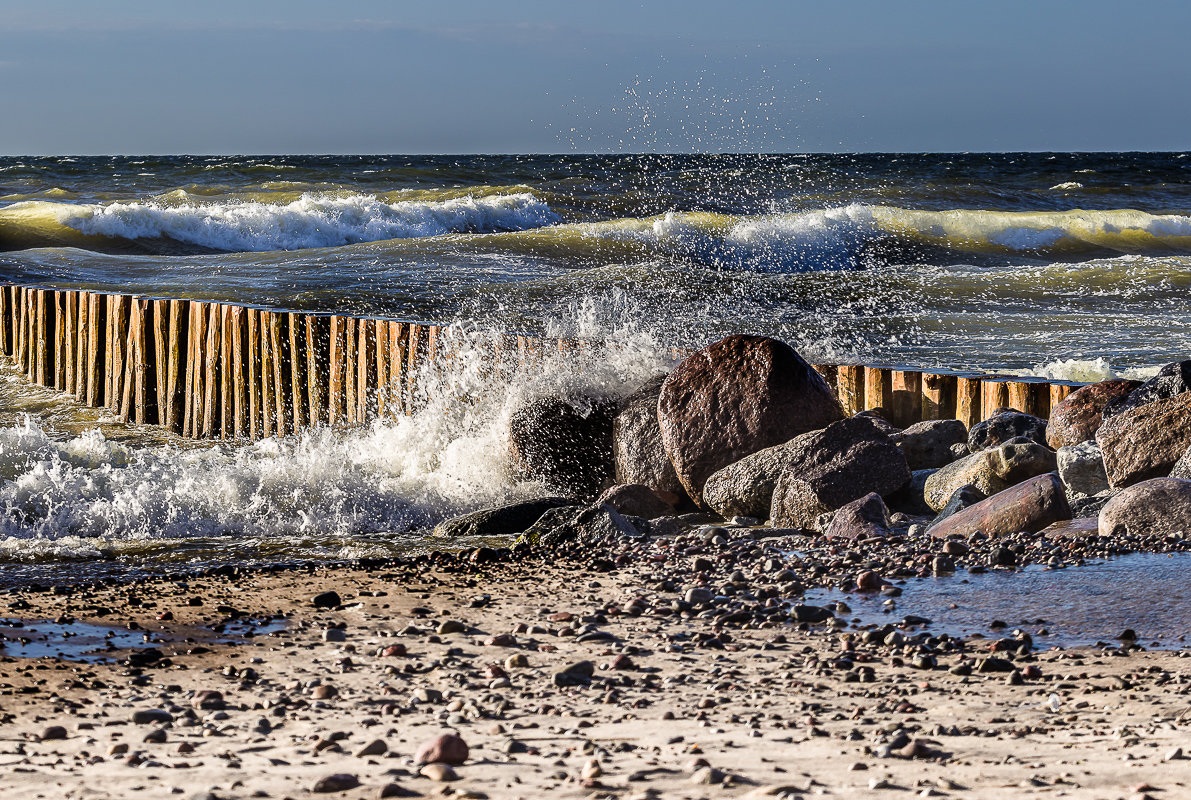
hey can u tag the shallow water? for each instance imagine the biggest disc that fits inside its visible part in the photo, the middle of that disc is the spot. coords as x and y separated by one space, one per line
1083 605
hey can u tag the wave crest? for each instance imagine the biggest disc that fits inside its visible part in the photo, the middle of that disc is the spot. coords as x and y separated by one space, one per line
312 220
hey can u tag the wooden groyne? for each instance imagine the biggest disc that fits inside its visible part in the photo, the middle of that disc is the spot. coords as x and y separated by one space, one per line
209 370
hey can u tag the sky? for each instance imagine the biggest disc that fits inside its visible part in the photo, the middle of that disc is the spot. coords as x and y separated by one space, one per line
457 76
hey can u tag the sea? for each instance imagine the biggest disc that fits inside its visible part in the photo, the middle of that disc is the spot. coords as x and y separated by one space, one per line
1066 265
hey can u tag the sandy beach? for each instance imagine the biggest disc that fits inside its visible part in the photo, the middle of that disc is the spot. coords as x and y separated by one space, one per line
667 704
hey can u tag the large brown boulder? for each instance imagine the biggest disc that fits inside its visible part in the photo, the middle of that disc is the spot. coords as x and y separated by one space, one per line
637 449
1028 506
565 442
1146 441
830 468
1160 506
1077 417
735 397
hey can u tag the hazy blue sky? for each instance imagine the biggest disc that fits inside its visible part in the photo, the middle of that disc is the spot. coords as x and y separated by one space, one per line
278 76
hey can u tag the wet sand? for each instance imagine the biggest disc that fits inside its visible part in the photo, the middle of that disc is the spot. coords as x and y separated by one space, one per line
679 706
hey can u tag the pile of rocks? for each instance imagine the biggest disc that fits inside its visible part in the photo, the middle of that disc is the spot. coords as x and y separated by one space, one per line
747 429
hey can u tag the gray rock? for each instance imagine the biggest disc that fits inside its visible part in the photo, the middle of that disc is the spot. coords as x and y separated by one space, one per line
928 444
745 487
637 500
1081 468
990 471
1083 507
1182 467
500 521
1003 425
1159 506
638 454
565 442
592 525
1172 380
861 519
830 468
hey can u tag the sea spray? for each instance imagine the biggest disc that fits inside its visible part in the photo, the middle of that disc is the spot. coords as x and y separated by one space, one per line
325 493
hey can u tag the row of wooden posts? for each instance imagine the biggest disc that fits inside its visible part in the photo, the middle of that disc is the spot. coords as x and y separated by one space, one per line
209 370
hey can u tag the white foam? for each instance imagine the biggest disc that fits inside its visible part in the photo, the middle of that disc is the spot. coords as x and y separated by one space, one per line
313 220
81 496
1066 186
1086 370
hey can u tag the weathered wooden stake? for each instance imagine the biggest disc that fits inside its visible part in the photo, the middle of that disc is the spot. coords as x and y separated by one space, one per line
967 400
850 388
878 389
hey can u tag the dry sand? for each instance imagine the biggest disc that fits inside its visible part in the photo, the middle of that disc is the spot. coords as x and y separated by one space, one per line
765 713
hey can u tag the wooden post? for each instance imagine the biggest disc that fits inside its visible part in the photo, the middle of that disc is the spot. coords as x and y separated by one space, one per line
1030 396
5 319
967 400
240 356
280 377
350 355
338 342
297 380
316 370
61 334
382 368
850 388
906 398
938 396
195 359
398 366
211 381
43 370
68 335
167 342
878 390
228 378
82 322
365 357
117 341
994 394
96 349
143 363
253 349
268 402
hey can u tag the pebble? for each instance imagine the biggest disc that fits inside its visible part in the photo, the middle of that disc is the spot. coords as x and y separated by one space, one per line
327 600
340 782
150 716
52 733
439 772
446 748
376 747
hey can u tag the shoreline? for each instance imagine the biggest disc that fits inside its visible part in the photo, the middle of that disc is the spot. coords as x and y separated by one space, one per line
774 708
